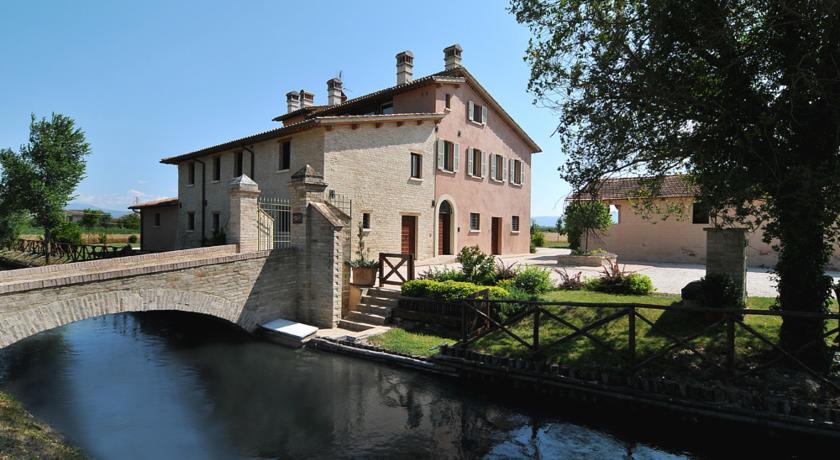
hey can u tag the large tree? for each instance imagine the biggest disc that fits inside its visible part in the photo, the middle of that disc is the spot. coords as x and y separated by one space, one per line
743 95
43 175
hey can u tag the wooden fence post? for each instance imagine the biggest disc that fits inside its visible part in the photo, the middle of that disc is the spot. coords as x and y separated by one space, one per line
631 333
730 342
537 329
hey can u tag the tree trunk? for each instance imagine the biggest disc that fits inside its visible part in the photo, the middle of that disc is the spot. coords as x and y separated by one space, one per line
47 243
803 285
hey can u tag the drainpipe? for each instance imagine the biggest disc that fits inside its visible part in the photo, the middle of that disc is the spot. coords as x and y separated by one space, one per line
252 161
203 198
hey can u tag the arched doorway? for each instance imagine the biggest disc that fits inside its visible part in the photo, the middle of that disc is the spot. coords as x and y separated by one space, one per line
445 221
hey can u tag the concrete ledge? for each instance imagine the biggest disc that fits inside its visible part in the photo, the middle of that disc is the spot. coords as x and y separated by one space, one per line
595 260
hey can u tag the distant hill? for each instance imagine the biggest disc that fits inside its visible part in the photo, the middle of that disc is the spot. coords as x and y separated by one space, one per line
545 221
77 206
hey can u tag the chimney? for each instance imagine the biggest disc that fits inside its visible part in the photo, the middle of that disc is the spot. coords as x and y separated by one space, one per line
452 56
334 91
292 101
307 99
405 67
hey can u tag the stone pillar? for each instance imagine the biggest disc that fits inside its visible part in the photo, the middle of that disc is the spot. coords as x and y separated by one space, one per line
726 253
242 227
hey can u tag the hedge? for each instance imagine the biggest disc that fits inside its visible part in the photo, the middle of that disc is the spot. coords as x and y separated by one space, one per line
448 291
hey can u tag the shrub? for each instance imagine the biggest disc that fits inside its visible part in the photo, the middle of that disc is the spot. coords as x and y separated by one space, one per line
717 290
444 274
617 281
504 272
533 280
569 282
67 232
585 219
532 248
132 239
102 238
538 238
478 267
448 291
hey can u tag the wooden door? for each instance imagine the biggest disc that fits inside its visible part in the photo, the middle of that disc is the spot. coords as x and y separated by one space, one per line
444 237
409 235
496 236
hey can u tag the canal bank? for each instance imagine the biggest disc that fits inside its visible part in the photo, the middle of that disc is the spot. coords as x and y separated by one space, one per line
24 436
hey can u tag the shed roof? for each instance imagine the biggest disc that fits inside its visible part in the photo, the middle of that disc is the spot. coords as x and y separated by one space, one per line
164 202
628 187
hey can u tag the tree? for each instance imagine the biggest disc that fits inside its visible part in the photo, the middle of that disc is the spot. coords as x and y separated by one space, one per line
130 221
42 176
558 226
90 218
585 219
743 95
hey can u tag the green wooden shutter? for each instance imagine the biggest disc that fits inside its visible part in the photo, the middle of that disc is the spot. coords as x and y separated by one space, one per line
470 110
454 157
470 161
493 166
484 164
484 114
440 153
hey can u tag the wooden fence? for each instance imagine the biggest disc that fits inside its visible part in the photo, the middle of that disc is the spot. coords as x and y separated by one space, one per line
72 252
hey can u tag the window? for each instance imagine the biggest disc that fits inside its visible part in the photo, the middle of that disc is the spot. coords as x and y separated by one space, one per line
237 169
447 155
387 108
448 101
475 221
416 166
217 223
498 168
615 213
366 221
514 223
191 173
699 213
477 113
475 166
217 169
157 219
285 156
190 221
516 172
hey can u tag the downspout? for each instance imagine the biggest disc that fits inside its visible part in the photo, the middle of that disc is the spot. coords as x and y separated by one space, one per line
252 161
203 199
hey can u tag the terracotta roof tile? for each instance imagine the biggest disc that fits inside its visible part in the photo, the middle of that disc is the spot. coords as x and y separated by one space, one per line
627 187
156 203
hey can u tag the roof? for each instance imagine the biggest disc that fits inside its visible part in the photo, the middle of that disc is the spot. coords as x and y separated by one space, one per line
302 126
628 187
73 212
156 203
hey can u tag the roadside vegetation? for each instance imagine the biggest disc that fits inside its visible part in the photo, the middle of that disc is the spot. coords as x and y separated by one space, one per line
22 436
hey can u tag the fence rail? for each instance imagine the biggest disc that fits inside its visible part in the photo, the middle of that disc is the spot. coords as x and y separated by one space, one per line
273 223
72 252
525 324
393 275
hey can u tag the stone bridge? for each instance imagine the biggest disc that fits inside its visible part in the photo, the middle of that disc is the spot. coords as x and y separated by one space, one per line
306 282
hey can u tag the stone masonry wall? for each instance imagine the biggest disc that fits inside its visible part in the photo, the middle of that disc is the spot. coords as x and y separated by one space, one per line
726 253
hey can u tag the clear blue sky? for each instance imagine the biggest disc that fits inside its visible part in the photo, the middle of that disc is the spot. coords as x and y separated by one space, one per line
151 79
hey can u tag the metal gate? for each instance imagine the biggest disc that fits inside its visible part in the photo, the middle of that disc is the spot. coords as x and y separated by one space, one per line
274 218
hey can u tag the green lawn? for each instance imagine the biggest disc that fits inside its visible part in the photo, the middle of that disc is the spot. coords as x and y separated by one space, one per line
23 436
417 341
561 244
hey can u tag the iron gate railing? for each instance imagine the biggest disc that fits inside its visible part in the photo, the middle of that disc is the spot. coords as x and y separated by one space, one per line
342 202
274 219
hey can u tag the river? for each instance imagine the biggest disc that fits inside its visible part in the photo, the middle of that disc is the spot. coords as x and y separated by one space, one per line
172 385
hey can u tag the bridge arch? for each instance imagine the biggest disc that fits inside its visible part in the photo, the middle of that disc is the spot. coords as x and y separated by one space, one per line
62 312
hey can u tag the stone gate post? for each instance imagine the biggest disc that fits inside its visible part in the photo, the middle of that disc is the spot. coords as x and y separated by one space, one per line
726 253
242 226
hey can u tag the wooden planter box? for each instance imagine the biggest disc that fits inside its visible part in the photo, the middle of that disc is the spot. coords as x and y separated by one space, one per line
595 260
363 276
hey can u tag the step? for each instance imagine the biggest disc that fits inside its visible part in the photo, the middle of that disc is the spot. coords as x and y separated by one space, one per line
387 293
368 318
381 301
354 326
376 309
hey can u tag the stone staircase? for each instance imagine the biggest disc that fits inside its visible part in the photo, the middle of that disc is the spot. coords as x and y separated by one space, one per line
374 309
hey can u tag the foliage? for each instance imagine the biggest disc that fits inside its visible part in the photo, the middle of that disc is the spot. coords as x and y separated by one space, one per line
11 224
443 274
616 280
594 252
503 271
448 291
363 260
102 238
585 219
93 217
477 266
132 239
537 237
130 220
559 227
533 280
43 175
67 232
742 96
532 248
569 282
718 290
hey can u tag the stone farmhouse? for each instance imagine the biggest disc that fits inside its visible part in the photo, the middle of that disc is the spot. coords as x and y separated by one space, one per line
677 238
427 167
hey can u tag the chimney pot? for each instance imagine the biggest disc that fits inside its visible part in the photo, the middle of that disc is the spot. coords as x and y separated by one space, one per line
452 56
405 67
292 101
307 99
334 91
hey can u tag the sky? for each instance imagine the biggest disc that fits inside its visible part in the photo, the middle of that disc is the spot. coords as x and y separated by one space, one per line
153 79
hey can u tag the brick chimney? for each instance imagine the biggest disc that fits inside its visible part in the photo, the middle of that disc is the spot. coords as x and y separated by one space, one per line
307 99
334 91
405 67
292 101
452 56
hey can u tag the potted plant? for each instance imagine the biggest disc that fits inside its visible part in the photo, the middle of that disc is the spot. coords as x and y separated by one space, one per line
363 268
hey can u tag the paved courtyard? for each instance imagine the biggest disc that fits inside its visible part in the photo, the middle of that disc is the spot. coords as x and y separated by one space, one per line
667 278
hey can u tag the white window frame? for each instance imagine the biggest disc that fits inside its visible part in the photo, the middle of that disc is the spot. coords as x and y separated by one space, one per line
498 168
443 155
471 108
473 171
518 224
516 179
477 228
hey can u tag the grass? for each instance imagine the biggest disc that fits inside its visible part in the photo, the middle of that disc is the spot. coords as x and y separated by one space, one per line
556 244
39 231
24 436
416 341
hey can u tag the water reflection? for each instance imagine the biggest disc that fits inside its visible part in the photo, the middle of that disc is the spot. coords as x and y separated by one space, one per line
171 385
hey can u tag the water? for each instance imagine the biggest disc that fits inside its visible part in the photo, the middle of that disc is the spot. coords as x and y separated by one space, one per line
182 386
